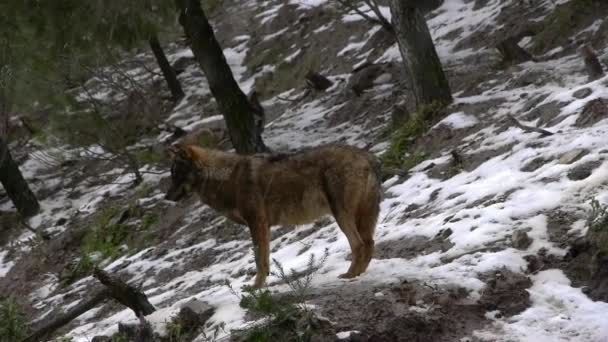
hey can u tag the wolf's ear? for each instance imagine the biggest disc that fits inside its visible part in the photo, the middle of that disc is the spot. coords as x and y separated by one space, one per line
182 151
179 151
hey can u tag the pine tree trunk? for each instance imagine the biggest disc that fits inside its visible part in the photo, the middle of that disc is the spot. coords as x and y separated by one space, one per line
233 104
168 72
15 186
10 177
419 56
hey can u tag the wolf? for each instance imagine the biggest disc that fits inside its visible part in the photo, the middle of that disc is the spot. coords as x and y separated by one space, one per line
269 189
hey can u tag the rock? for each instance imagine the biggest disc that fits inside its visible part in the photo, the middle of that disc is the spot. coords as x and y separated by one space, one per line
583 171
593 112
598 285
201 309
399 114
135 332
479 4
572 156
506 291
582 93
546 113
101 339
182 63
364 77
533 102
121 218
61 221
534 164
520 240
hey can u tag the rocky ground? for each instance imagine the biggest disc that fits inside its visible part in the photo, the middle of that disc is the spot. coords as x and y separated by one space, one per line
488 238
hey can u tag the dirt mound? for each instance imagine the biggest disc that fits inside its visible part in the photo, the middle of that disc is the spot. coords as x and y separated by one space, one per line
409 311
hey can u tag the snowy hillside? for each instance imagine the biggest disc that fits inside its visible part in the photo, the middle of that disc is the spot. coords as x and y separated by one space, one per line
446 228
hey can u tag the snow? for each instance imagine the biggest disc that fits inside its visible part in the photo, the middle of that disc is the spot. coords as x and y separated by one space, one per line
559 312
5 265
308 3
293 56
459 120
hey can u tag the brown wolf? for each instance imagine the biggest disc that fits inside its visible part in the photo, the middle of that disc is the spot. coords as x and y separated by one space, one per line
264 190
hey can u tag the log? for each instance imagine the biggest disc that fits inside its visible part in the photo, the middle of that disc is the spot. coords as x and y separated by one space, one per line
50 327
512 53
528 128
125 294
115 288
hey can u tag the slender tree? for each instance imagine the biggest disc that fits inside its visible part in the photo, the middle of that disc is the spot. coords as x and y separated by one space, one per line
238 112
11 178
420 58
168 71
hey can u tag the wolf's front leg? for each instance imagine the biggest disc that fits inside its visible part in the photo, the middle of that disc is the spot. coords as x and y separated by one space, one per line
260 232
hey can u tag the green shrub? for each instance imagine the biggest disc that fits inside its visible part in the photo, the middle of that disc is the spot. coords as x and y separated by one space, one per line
106 237
148 156
12 322
566 19
598 216
404 137
284 317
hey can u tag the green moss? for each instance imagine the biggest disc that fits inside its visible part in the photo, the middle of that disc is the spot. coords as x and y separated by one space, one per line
405 135
148 220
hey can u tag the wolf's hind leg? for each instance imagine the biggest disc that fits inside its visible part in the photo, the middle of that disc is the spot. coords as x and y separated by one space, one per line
348 227
260 233
367 218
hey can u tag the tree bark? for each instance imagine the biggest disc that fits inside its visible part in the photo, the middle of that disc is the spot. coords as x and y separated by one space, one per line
10 176
168 71
125 294
419 55
236 109
16 187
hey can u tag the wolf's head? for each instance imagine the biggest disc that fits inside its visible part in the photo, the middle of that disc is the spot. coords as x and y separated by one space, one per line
184 173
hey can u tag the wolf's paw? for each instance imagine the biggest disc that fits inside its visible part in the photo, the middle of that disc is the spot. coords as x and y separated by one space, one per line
347 275
259 282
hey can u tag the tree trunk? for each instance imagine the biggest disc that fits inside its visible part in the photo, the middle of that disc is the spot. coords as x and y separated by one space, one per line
16 187
10 177
238 112
168 72
419 56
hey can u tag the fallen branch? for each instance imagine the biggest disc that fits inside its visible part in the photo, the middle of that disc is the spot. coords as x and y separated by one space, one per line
518 124
125 294
66 318
297 99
